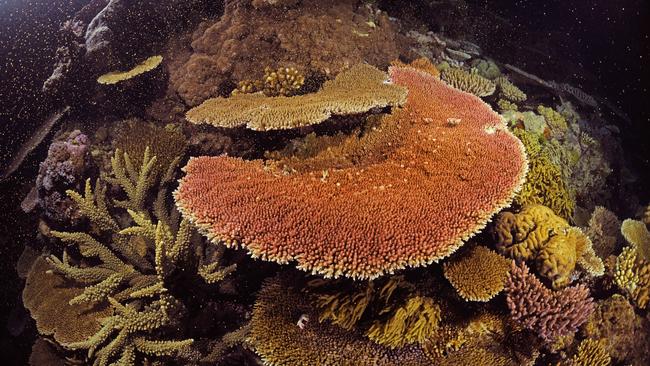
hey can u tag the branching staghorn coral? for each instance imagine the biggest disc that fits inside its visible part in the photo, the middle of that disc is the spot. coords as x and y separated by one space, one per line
550 314
123 276
590 352
508 90
536 234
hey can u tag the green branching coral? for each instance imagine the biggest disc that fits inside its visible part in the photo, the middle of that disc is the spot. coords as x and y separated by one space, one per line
544 182
131 281
509 91
554 119
470 82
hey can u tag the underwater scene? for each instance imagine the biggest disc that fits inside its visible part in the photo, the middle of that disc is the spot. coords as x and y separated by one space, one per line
312 182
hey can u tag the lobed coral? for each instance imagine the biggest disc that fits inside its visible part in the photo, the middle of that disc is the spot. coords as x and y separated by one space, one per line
479 275
141 68
537 234
319 40
356 90
470 82
509 91
550 314
406 193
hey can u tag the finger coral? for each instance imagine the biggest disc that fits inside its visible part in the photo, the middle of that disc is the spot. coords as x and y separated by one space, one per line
356 90
470 82
478 275
408 192
548 313
279 340
284 81
632 276
141 68
537 234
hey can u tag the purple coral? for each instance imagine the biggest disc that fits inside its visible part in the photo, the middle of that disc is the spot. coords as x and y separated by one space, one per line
548 313
63 169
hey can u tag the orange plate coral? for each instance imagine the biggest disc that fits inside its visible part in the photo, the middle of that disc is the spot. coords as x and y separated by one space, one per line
416 188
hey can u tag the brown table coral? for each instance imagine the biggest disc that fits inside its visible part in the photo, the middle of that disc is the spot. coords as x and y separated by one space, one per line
309 36
406 193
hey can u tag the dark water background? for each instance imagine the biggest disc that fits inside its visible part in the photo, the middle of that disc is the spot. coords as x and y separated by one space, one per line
602 46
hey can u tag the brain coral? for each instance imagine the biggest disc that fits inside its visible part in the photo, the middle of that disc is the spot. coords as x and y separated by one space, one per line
406 193
356 90
311 37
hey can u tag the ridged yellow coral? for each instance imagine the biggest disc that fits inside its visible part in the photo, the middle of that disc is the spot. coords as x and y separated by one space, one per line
554 119
470 82
412 322
636 233
479 275
544 182
355 90
117 76
537 234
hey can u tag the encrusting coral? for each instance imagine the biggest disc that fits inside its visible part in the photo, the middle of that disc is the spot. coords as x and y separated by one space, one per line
537 234
509 91
407 192
316 39
470 82
550 314
285 81
141 68
479 275
356 90
613 320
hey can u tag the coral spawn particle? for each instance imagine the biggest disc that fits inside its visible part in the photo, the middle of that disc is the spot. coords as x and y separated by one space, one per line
408 192
478 275
356 90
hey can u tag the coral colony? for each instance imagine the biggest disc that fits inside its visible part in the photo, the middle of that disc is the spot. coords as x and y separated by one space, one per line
315 185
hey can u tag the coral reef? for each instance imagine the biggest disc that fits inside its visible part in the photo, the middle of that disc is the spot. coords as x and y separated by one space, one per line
479 275
141 68
509 91
356 90
549 314
64 168
285 81
372 204
279 340
614 321
470 82
537 234
315 39
604 231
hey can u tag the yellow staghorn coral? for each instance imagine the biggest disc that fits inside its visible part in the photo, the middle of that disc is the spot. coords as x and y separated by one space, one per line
544 182
413 322
478 275
537 234
590 352
285 81
470 82
284 331
143 67
509 91
355 90
554 119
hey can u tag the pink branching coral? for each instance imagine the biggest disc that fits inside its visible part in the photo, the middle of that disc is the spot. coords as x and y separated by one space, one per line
548 313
